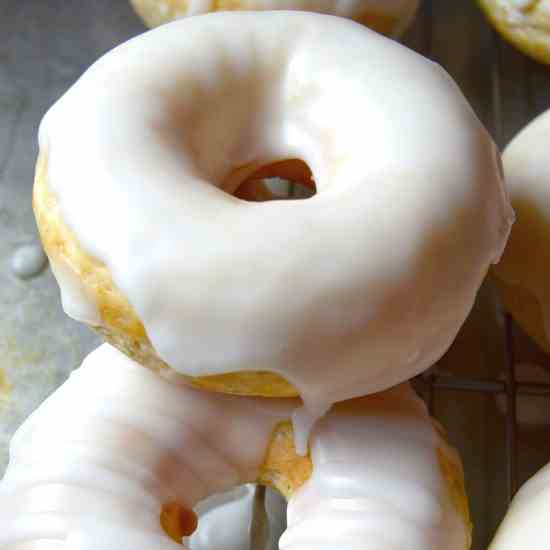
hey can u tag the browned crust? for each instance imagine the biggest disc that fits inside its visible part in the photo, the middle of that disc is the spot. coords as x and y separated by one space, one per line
283 469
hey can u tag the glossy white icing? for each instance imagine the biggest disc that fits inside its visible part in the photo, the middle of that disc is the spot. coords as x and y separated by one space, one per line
76 303
91 468
376 481
94 464
344 294
526 524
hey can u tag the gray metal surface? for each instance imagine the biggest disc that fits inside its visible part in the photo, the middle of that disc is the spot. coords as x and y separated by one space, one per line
46 44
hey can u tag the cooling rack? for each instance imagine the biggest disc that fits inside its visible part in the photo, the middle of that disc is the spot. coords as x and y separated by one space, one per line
39 345
507 90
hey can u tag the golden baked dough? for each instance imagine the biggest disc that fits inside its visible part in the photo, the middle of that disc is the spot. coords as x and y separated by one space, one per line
524 23
158 12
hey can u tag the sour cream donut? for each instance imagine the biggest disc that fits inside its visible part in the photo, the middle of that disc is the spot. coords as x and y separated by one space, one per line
523 275
120 464
389 17
346 293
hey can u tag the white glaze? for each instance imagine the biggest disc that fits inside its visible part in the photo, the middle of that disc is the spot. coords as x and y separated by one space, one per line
347 293
526 524
74 297
28 260
115 442
94 464
376 482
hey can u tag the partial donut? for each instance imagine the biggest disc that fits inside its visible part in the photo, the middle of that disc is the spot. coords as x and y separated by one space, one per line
390 17
524 23
526 522
523 274
346 293
117 457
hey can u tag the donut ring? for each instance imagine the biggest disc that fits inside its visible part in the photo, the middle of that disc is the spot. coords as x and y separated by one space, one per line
390 17
524 23
220 313
525 291
126 466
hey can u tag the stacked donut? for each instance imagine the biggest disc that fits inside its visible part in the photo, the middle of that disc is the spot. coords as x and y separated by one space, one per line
314 313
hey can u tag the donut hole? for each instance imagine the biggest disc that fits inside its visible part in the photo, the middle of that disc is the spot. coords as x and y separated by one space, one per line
286 179
178 521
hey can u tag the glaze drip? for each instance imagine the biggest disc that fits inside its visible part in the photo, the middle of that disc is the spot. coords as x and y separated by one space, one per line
280 285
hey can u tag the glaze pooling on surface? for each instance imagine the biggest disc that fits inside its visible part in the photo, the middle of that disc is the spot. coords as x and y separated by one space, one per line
308 289
97 478
76 303
28 260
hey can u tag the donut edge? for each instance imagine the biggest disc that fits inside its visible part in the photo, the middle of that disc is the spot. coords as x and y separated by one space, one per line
530 39
120 325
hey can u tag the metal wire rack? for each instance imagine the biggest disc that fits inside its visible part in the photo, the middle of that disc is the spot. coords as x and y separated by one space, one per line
506 90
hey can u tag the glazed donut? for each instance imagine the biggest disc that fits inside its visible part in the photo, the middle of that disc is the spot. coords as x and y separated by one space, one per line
118 456
526 291
524 23
526 523
134 199
389 17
